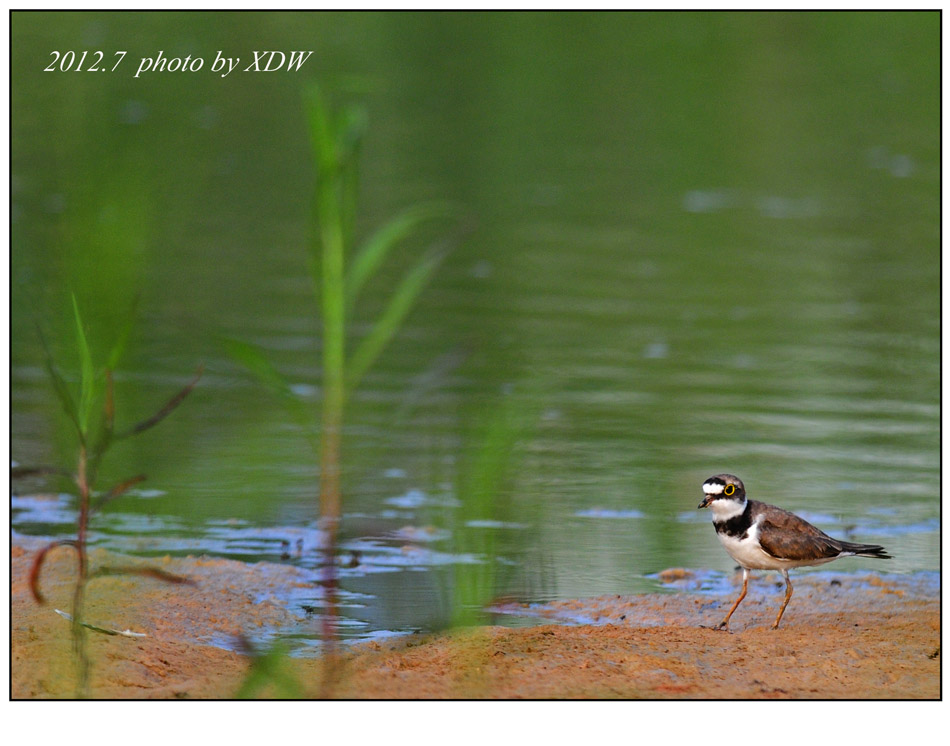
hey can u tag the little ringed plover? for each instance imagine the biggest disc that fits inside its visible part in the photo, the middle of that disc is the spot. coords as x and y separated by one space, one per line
763 537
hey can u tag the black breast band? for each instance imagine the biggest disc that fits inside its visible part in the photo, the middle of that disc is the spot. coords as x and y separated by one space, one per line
738 526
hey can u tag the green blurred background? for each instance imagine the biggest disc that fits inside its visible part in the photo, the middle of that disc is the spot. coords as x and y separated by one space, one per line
703 243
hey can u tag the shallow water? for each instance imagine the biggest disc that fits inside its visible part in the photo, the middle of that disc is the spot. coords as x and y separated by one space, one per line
702 244
399 581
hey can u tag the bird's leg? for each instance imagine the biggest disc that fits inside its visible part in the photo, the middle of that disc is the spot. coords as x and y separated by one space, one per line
724 624
788 597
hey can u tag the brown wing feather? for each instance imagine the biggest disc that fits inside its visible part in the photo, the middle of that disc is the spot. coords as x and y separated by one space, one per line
785 535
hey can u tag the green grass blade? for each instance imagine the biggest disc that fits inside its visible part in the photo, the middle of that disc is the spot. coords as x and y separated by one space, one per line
336 142
169 407
117 491
106 430
389 322
322 139
269 673
115 354
352 130
489 464
374 251
253 358
62 391
87 373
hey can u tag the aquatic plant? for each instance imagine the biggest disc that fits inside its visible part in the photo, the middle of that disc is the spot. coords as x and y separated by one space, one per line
339 271
94 440
268 672
489 464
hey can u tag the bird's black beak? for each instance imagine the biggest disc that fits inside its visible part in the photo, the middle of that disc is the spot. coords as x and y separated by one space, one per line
705 503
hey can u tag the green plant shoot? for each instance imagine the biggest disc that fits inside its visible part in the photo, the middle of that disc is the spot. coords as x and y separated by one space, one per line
93 388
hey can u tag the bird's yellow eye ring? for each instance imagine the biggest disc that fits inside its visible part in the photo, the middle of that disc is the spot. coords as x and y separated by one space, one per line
729 490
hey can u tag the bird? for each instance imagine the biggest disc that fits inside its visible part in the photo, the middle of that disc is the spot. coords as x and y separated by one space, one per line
763 537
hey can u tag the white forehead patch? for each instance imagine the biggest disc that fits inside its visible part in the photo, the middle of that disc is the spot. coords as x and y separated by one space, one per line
711 488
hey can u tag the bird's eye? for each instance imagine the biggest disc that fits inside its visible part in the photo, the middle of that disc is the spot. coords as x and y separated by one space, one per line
730 489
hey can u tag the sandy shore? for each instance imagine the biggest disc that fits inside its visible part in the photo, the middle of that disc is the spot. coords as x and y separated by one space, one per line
853 637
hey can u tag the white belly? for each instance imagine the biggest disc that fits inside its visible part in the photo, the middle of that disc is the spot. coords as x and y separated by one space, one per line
750 555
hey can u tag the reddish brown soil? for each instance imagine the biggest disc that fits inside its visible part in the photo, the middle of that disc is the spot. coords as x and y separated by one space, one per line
853 638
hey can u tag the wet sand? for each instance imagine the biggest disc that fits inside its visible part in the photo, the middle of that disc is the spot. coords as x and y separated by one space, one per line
851 637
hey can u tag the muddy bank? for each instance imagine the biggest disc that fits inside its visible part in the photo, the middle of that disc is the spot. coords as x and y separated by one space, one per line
847 637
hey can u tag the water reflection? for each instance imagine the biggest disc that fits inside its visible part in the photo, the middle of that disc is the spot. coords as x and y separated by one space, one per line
399 582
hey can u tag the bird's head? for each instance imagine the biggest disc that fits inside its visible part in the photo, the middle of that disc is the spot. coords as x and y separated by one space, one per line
724 487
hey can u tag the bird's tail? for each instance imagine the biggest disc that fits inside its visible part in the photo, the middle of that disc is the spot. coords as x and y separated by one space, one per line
865 550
